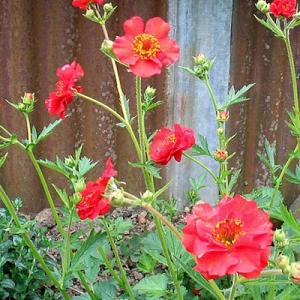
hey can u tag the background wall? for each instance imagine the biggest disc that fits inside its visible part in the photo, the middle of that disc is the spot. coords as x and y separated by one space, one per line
37 36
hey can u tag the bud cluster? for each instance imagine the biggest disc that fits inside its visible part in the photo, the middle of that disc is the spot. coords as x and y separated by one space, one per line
27 104
263 6
220 155
202 66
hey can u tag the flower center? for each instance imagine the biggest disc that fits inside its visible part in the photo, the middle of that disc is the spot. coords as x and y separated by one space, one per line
145 46
172 138
228 231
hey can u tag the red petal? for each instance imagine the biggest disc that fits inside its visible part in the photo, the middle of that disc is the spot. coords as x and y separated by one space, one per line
133 27
145 68
157 27
122 48
109 169
169 51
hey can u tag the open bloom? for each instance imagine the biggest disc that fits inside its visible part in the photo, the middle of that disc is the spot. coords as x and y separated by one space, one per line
283 8
93 203
146 48
83 4
168 143
233 237
63 95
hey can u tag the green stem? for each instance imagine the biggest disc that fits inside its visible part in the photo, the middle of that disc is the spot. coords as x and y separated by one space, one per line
233 287
213 96
213 284
47 192
6 201
5 130
293 72
201 164
86 286
28 127
109 266
280 178
119 262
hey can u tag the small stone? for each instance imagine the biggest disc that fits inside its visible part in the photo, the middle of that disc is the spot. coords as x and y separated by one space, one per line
187 209
45 218
142 217
137 275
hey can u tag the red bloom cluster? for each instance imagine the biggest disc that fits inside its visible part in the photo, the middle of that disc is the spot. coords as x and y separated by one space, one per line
234 237
283 8
168 143
146 48
93 202
58 100
83 4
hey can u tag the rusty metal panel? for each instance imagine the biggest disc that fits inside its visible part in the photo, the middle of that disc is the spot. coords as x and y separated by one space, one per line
257 56
36 37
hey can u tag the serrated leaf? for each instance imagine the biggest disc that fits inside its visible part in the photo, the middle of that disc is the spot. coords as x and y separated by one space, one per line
63 195
149 166
3 159
235 97
202 147
155 285
106 290
34 135
57 166
294 177
233 180
120 226
85 165
48 130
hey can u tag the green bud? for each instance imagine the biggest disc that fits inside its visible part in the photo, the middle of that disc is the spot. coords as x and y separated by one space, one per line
117 198
77 198
220 131
90 14
199 59
28 98
108 7
150 92
263 6
107 46
147 196
69 161
295 273
280 240
79 186
283 263
21 106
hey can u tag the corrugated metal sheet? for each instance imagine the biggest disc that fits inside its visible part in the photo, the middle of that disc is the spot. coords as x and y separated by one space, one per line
37 36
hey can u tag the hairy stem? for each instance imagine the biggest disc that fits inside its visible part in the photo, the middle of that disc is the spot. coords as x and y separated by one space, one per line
233 287
28 127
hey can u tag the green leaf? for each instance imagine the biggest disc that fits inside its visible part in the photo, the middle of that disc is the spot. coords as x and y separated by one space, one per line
155 285
120 226
146 263
202 147
149 166
48 130
3 159
235 97
63 195
233 180
57 166
7 284
289 219
294 177
271 25
106 290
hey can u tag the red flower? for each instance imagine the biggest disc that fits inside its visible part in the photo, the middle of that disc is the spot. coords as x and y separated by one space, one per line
83 4
168 143
146 48
63 95
283 8
93 203
233 237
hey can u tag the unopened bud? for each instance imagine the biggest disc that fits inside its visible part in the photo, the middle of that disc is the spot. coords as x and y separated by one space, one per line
263 6
150 92
280 240
28 98
117 198
21 106
283 263
223 115
220 155
79 186
69 162
295 273
147 196
108 7
220 131
107 46
90 14
199 59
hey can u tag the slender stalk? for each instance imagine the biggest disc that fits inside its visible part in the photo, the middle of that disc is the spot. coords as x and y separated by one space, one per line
212 94
86 286
47 192
280 178
233 287
28 127
213 284
109 266
6 201
119 262
5 130
201 164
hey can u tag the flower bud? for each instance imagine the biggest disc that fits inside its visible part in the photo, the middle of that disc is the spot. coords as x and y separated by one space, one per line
220 155
199 59
117 198
69 162
90 14
147 196
220 131
280 240
283 263
79 186
222 116
107 46
150 92
263 6
21 106
295 273
108 7
28 98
